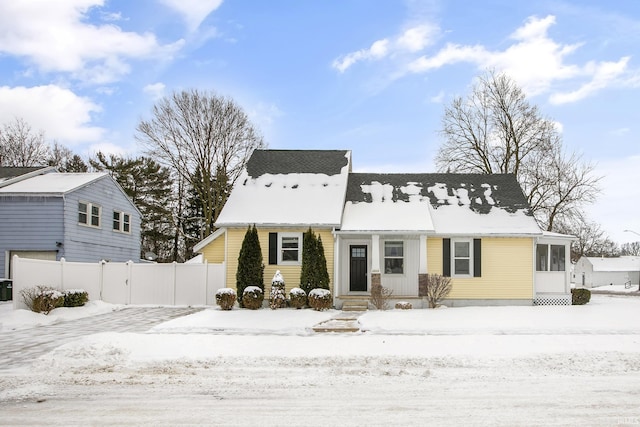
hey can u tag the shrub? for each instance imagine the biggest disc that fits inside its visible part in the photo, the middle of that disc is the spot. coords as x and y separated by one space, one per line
380 296
250 267
277 297
320 299
75 297
580 296
298 298
403 305
252 297
438 287
225 298
42 299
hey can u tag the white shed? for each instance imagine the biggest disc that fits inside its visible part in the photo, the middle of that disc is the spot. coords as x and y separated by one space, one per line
591 272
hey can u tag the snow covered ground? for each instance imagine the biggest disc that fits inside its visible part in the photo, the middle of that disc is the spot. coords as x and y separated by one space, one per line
573 365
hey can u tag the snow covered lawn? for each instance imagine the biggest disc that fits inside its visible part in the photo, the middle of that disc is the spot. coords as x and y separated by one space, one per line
572 365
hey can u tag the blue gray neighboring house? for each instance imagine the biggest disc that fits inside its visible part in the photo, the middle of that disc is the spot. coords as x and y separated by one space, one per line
83 217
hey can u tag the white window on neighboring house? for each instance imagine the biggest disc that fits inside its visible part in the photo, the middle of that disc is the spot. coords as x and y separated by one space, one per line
121 222
462 257
89 214
289 248
394 257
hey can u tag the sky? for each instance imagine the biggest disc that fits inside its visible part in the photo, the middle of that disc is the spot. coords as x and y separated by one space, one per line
371 77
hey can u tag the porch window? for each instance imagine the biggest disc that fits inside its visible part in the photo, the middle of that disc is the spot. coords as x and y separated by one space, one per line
394 257
550 258
89 214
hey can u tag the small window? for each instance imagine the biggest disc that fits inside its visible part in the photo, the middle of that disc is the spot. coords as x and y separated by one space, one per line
89 214
394 257
121 222
542 257
289 248
462 258
557 258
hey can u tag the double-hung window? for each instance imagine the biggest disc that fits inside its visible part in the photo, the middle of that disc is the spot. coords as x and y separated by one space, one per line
89 214
289 248
393 257
121 222
462 257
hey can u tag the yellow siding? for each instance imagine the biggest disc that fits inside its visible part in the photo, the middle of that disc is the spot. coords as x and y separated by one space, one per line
507 269
214 251
291 273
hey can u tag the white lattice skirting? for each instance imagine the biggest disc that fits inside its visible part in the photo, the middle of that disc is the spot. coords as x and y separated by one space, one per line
552 300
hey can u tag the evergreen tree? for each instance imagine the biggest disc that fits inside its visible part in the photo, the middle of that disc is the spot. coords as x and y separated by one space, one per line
322 273
250 267
309 255
149 186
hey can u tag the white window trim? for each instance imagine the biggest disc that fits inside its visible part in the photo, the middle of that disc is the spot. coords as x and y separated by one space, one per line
404 263
280 250
453 257
89 214
548 260
121 221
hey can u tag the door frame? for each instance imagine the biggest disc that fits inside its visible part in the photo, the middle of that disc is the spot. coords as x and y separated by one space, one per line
364 246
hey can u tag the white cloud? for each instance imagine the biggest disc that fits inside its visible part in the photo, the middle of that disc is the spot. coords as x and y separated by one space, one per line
437 99
57 111
193 11
155 90
412 40
533 59
55 37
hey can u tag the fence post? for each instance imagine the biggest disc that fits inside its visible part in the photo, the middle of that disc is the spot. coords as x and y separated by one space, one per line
128 282
62 261
206 281
175 274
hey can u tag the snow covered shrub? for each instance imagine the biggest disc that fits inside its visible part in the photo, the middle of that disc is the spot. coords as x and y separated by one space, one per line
298 298
42 299
438 288
403 305
580 296
225 298
277 297
75 297
320 299
380 296
252 297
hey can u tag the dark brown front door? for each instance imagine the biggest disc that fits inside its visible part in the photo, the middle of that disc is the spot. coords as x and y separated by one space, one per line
358 268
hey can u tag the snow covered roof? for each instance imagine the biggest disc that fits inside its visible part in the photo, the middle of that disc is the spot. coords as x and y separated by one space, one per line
289 187
451 204
623 263
52 183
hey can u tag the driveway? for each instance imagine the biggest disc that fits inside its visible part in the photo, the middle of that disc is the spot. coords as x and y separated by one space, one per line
18 348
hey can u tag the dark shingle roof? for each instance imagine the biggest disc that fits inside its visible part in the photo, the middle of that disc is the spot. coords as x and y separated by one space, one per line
11 172
505 190
329 162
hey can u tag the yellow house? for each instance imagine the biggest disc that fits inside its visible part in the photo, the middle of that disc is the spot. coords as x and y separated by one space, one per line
392 230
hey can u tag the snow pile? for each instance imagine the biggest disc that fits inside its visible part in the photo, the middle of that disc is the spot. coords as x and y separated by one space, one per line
11 320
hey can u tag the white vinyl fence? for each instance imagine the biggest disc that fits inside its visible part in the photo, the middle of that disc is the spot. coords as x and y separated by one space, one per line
123 283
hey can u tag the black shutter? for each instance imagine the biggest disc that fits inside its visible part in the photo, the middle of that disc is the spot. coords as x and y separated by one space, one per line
477 258
273 248
446 257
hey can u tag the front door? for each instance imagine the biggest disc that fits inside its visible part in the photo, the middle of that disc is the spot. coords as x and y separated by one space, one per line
358 268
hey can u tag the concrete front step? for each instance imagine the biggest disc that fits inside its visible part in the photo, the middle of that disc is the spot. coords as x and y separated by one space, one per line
355 305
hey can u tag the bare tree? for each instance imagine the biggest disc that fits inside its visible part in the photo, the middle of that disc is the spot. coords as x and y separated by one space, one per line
65 160
591 238
192 130
21 146
632 248
438 288
496 130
